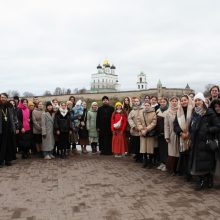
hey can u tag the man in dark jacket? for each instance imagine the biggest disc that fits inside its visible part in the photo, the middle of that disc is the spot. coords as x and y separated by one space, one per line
8 121
103 125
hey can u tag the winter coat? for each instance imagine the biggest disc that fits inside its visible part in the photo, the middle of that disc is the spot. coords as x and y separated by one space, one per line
204 127
173 145
103 120
132 120
47 123
91 123
147 143
62 123
116 117
37 118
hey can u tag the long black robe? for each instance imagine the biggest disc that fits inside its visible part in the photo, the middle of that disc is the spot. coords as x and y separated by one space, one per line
7 134
103 123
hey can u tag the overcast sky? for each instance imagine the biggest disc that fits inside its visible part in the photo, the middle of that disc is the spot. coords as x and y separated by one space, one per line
47 43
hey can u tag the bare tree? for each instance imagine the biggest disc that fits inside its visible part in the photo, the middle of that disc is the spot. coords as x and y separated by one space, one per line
76 90
12 93
68 91
28 94
82 91
47 93
58 91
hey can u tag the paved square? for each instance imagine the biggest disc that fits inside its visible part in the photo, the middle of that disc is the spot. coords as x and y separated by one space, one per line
97 187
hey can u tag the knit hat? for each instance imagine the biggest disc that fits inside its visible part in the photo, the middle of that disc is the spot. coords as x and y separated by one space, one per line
48 104
30 103
118 104
200 96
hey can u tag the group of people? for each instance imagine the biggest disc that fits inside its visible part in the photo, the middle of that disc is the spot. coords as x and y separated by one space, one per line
179 135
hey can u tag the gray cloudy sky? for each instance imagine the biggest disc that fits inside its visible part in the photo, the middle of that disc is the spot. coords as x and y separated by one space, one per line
49 43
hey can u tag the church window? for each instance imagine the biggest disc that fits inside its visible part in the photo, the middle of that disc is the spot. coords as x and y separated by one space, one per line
141 80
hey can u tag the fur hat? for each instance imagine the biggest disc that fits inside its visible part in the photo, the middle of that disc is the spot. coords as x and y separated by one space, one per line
200 96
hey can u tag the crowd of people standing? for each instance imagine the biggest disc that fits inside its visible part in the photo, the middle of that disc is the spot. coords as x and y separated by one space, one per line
179 135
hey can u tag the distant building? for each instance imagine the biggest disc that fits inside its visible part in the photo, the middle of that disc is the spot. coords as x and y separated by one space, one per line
105 80
141 81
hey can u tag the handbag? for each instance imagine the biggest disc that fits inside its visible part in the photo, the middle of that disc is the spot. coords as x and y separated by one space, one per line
212 144
117 125
151 133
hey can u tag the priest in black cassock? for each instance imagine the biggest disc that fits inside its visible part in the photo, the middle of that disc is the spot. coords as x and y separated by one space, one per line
8 121
103 126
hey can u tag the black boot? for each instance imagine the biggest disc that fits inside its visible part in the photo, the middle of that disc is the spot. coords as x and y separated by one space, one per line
8 163
150 161
62 154
201 183
145 161
210 181
93 148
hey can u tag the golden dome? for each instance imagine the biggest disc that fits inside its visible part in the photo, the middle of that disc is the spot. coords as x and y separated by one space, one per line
106 62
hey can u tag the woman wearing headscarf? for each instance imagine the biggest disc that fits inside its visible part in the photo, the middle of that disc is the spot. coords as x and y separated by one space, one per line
181 128
91 126
25 125
215 105
135 134
203 127
147 121
170 136
118 126
162 144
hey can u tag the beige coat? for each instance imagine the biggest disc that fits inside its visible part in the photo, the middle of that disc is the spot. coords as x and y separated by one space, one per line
36 117
147 143
132 120
173 145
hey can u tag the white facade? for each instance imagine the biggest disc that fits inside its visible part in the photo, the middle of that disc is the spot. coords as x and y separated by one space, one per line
141 81
105 79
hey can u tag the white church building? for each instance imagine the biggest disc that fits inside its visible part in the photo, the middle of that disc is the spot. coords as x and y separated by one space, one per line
105 79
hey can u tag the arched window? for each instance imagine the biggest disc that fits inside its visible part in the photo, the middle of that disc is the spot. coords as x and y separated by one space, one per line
140 79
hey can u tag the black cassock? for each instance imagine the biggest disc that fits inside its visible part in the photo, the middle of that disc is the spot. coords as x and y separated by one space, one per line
103 123
7 133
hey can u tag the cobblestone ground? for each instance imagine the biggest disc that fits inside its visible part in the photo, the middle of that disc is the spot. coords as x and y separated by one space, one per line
97 187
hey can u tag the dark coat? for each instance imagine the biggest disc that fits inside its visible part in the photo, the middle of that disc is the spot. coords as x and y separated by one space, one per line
62 123
83 132
201 129
7 133
11 116
103 121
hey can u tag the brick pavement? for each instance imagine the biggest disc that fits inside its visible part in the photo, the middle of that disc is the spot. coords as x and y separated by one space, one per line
97 187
